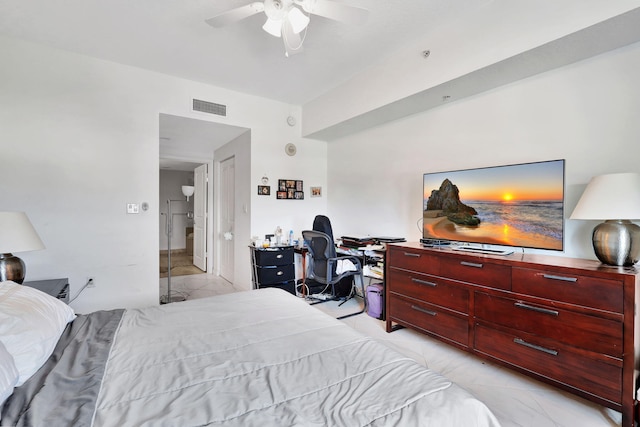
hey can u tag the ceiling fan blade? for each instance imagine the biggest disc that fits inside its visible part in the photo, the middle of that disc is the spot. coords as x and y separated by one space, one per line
292 41
234 15
334 10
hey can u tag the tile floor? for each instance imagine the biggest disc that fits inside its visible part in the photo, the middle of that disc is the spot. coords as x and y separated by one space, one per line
516 400
197 286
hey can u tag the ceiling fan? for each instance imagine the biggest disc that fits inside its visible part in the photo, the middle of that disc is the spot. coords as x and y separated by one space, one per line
286 18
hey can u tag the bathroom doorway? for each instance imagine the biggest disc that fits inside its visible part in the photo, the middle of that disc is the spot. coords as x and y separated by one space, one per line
177 231
185 144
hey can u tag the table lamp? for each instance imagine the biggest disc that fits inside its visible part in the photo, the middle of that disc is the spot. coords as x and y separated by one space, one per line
16 235
614 198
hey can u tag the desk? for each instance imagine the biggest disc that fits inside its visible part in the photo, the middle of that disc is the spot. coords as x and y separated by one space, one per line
363 253
303 253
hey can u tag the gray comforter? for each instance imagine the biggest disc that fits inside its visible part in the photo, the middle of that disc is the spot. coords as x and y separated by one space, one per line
258 358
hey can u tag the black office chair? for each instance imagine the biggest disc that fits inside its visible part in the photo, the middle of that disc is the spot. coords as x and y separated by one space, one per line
323 262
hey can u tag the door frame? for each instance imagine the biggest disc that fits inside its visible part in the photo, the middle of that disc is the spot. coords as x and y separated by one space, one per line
209 207
201 216
240 149
223 245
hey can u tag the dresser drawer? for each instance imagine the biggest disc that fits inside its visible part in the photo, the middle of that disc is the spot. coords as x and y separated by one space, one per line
413 259
274 256
575 329
430 289
275 274
477 271
552 360
430 318
603 294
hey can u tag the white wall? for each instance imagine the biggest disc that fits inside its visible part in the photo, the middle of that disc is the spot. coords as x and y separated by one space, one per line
586 113
171 183
79 140
309 165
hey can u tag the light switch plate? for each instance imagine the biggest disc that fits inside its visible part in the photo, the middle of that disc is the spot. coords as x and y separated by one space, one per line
133 208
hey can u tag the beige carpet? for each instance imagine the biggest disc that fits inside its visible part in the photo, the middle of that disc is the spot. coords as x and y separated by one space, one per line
181 264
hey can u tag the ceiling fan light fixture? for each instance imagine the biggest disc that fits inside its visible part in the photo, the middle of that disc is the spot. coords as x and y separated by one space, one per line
298 20
273 27
276 9
289 19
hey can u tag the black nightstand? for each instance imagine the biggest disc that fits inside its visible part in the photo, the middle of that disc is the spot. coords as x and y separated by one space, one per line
273 267
58 288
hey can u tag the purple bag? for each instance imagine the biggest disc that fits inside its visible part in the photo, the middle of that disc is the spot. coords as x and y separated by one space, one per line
375 300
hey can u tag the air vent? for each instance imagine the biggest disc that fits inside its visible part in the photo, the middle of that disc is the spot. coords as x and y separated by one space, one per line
209 107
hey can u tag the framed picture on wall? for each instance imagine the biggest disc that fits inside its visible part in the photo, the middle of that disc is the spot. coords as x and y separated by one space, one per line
290 189
316 191
264 190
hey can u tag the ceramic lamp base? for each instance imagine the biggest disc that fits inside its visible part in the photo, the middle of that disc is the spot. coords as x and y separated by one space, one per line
11 268
617 242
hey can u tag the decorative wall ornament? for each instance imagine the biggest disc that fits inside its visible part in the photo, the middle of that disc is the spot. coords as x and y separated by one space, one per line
290 189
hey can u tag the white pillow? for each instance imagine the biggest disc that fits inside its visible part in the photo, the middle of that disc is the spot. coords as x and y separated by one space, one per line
31 323
8 374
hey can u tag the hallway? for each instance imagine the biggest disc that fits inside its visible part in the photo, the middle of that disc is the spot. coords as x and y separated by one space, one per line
181 263
197 286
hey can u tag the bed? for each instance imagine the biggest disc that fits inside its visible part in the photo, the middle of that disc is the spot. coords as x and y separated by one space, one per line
256 358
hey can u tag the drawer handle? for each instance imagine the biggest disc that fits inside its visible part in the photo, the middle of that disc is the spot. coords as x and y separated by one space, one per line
535 347
424 282
471 264
562 278
537 309
279 256
424 310
413 255
279 273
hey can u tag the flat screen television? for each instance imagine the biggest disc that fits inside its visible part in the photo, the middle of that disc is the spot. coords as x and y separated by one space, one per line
519 205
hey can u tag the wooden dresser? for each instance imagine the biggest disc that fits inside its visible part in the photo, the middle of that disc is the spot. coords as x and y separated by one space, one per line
568 322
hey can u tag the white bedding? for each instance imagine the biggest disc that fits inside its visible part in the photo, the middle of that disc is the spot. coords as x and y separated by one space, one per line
266 358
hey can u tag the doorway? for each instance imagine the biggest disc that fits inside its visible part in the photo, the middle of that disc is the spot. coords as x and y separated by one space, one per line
187 143
179 248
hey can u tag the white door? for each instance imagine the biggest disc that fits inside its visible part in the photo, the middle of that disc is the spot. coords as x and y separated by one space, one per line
200 217
227 215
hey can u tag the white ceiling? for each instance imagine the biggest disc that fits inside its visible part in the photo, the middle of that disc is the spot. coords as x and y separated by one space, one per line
171 37
196 140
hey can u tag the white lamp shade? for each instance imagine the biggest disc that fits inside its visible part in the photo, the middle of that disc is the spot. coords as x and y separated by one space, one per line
17 234
298 20
607 197
188 190
273 27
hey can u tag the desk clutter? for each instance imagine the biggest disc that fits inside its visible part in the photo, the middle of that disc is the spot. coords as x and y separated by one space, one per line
375 243
371 249
274 265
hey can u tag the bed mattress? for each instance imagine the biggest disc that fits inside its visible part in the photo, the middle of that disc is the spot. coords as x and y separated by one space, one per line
257 358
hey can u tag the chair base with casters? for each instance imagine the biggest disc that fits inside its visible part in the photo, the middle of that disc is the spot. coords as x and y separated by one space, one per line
328 269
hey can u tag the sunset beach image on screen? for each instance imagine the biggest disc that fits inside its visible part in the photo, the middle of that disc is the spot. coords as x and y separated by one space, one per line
518 205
